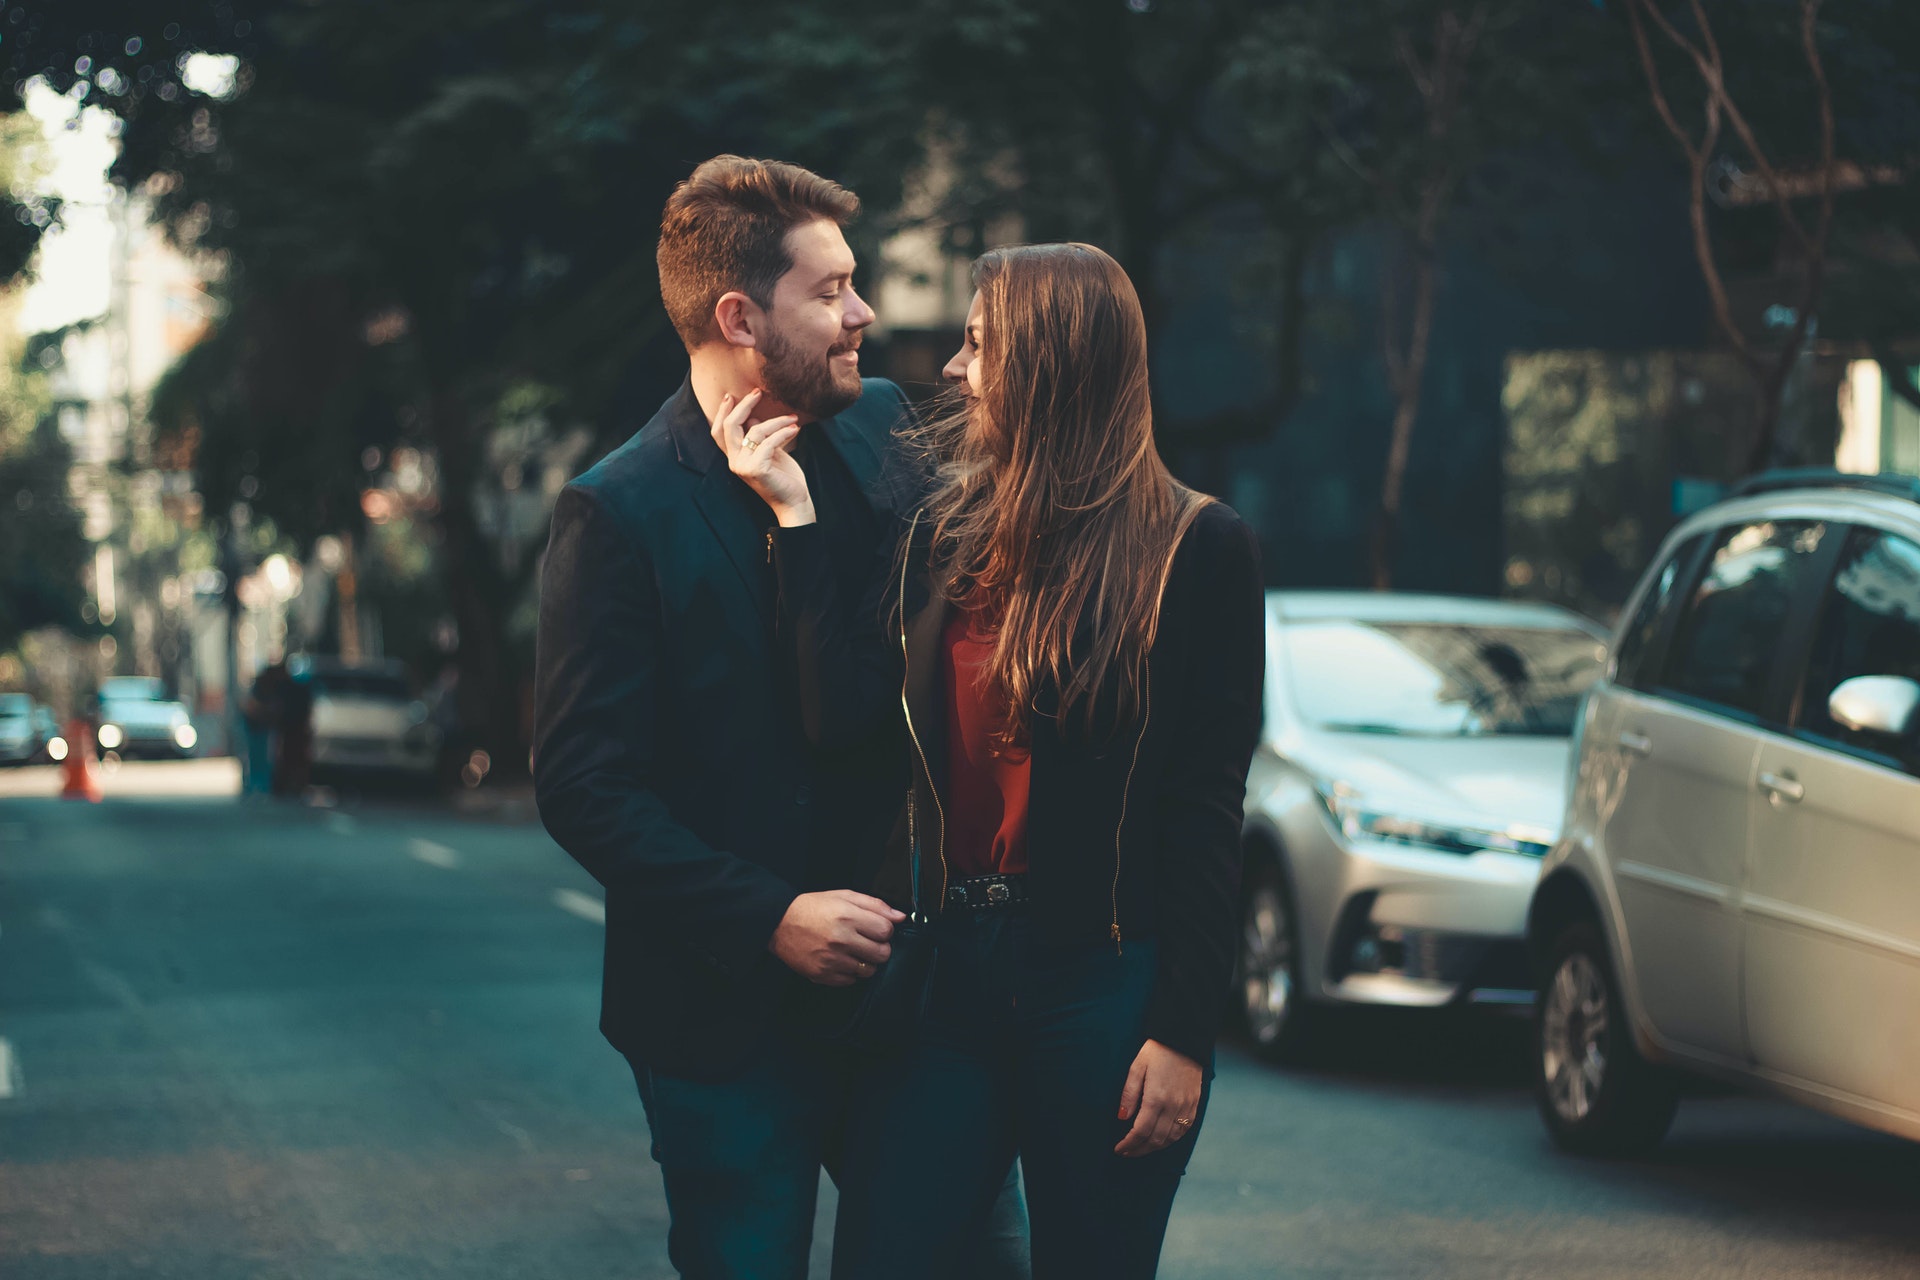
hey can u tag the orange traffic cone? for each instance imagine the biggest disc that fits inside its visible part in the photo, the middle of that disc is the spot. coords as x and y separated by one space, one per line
77 771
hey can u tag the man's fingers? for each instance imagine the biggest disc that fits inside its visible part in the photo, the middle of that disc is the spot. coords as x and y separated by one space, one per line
855 946
871 924
871 903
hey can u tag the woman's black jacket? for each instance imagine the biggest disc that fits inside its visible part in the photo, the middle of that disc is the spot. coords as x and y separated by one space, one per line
1132 831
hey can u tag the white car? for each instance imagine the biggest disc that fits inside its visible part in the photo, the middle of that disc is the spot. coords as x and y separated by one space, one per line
1412 775
366 720
136 718
1737 891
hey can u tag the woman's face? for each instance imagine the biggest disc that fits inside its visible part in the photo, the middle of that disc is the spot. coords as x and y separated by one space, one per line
963 371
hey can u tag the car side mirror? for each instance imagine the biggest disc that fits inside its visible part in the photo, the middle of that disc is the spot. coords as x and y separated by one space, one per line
1876 704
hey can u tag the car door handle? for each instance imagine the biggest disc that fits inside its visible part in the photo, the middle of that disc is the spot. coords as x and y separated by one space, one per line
1781 787
1638 744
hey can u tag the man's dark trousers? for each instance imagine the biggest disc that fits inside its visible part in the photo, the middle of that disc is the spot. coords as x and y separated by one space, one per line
670 762
741 1161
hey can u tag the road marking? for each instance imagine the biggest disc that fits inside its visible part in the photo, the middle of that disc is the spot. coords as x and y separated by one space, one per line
10 1082
579 904
434 855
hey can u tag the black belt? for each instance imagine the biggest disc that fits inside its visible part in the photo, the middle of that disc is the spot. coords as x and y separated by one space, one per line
987 893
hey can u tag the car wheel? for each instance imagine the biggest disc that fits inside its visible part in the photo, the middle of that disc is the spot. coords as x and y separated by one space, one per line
1273 1011
1597 1095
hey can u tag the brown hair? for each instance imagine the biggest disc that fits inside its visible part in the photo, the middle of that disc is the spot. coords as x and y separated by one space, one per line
725 228
1052 504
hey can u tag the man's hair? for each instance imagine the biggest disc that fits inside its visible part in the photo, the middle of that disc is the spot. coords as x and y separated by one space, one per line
725 228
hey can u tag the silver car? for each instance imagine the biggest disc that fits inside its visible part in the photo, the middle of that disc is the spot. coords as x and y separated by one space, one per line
366 720
1737 889
1412 774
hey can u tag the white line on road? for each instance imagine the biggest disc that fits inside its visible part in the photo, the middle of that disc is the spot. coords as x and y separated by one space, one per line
10 1082
587 908
434 855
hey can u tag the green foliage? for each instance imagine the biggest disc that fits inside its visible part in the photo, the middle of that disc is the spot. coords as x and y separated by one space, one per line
42 552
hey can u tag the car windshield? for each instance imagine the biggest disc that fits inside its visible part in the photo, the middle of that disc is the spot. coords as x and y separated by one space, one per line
361 684
15 706
132 689
1444 680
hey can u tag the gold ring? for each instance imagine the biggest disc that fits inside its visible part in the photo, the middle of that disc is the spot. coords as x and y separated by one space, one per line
749 442
1179 1120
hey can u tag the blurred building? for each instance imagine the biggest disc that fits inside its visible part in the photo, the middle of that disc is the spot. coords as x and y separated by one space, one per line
112 307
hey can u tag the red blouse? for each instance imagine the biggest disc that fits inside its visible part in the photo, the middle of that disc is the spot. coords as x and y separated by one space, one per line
986 793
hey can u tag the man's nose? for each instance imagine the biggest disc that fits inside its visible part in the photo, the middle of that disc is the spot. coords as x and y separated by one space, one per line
858 314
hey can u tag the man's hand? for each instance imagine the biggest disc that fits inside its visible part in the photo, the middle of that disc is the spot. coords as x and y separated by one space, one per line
1163 1091
757 453
835 938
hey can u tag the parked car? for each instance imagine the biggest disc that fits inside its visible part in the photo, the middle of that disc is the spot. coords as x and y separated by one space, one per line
1412 774
134 717
21 738
53 741
366 719
1737 891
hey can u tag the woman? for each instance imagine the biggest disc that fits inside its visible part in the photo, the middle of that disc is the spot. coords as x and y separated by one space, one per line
1077 642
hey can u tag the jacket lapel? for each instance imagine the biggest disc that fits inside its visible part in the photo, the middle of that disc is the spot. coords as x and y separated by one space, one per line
724 502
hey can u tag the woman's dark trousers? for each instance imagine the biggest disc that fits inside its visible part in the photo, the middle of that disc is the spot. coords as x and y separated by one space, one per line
1026 1049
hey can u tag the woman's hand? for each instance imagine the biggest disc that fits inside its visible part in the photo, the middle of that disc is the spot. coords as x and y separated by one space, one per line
758 454
1163 1092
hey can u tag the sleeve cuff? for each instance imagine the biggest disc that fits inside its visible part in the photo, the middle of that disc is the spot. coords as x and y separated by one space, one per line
1175 1019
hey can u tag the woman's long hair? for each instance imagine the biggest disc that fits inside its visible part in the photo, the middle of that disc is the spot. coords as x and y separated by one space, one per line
1051 505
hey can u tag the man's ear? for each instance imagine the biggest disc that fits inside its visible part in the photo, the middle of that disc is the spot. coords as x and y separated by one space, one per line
739 318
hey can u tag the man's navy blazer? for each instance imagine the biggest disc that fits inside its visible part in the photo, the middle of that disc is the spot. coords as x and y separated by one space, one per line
668 755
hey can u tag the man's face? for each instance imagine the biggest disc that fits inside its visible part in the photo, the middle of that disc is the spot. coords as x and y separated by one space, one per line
811 350
963 370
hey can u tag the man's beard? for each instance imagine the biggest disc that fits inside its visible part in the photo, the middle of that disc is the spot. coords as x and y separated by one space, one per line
810 385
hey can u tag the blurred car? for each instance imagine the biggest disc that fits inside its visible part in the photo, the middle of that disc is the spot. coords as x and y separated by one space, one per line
366 719
53 741
21 736
1737 891
1411 776
134 717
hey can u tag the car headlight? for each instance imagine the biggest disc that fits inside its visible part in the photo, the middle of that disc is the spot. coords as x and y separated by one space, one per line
56 749
184 737
1348 811
110 736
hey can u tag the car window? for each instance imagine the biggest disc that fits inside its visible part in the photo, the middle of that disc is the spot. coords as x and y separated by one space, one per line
15 706
1725 644
361 684
1869 626
1440 679
1655 607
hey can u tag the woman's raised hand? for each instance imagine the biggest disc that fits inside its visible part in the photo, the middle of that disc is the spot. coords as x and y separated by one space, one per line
757 453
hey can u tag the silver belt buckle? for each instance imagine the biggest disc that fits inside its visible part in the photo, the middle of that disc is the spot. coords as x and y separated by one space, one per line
998 892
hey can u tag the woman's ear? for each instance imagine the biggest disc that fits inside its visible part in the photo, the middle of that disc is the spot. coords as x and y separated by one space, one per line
738 318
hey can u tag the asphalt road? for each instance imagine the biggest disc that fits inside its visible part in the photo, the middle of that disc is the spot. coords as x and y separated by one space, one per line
252 1040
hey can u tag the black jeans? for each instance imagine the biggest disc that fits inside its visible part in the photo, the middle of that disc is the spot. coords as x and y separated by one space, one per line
1026 1049
741 1162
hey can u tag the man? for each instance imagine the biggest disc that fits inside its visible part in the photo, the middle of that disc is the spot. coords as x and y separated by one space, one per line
669 756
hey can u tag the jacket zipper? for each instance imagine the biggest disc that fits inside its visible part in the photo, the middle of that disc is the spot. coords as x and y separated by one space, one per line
1146 718
926 769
